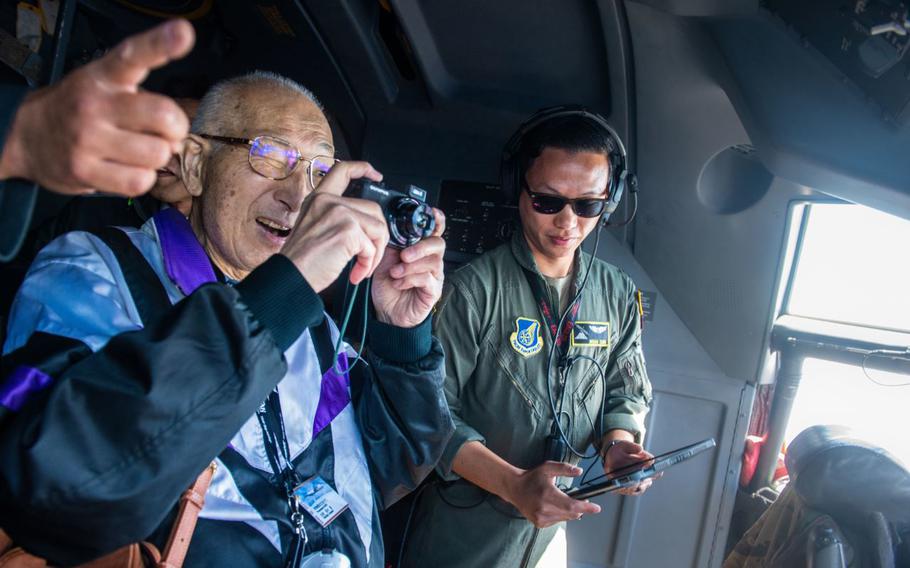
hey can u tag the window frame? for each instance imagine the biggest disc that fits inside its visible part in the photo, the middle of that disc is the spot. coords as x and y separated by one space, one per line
794 338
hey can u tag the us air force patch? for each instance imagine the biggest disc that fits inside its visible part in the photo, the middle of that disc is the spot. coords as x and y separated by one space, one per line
526 338
591 334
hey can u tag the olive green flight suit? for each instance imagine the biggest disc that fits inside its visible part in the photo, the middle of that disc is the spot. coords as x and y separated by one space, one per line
496 387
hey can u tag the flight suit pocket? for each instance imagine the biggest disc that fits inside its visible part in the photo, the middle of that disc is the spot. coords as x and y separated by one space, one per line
515 373
635 379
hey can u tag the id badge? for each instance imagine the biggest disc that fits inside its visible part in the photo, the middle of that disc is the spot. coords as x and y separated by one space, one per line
319 500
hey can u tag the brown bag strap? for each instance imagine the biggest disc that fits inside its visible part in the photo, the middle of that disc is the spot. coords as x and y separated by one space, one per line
191 503
133 555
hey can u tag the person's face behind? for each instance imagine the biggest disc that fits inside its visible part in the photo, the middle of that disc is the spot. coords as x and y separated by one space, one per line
169 187
554 238
238 210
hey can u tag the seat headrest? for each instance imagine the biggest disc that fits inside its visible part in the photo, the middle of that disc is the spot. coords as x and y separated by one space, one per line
839 474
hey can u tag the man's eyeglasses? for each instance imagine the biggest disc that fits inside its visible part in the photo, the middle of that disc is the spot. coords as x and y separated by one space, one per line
275 158
548 204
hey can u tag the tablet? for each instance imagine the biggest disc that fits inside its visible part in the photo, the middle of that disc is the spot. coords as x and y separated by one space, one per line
630 475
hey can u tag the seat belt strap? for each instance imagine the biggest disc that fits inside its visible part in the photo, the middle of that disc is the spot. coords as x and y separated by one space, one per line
145 287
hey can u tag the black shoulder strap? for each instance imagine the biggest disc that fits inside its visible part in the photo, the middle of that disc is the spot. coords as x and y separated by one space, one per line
148 293
322 342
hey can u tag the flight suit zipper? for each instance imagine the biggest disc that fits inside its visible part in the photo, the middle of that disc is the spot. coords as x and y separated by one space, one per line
521 391
530 549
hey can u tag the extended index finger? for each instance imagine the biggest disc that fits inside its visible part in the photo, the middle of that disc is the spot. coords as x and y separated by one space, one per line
129 63
340 176
430 246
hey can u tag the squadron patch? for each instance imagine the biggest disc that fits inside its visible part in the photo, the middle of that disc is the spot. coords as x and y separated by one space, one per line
591 334
526 337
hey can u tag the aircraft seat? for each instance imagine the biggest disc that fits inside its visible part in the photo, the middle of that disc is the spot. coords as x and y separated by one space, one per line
862 487
847 505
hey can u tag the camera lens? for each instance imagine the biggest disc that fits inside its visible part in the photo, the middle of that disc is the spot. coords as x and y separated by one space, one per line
410 221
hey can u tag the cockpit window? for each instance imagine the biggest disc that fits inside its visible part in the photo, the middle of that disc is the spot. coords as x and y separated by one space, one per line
866 399
847 316
852 267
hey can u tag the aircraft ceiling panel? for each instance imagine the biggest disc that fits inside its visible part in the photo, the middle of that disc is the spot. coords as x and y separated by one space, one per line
705 8
494 51
808 122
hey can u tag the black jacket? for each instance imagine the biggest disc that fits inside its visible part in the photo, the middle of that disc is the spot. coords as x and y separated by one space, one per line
98 458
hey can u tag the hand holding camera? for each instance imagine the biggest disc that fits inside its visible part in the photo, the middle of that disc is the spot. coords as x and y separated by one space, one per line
408 281
331 230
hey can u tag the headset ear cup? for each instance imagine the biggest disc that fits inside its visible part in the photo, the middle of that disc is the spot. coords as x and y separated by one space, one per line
508 167
615 198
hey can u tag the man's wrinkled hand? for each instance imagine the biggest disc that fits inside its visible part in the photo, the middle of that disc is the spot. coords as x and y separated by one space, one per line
331 230
95 130
408 283
535 495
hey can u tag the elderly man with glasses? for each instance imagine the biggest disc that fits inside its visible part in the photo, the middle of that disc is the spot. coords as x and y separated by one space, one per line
137 357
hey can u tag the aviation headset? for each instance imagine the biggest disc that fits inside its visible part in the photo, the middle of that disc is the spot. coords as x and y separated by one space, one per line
510 168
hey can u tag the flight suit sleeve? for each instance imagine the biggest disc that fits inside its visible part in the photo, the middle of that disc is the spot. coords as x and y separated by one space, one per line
628 387
458 327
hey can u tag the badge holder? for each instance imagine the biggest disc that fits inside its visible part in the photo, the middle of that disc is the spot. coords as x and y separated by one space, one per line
325 559
324 505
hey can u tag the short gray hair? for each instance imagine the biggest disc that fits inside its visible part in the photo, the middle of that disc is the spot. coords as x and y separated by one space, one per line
210 114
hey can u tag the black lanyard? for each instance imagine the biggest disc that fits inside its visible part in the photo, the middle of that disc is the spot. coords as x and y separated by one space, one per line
275 437
271 420
551 317
278 451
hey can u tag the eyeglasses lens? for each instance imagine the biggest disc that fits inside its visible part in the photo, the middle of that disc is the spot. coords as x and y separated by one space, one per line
273 158
320 166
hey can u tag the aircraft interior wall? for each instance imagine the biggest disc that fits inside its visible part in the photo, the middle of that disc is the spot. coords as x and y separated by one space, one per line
711 236
683 519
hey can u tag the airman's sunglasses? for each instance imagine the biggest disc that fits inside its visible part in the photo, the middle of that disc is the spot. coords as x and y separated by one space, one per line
548 204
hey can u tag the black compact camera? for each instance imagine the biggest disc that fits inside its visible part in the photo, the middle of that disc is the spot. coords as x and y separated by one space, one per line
410 219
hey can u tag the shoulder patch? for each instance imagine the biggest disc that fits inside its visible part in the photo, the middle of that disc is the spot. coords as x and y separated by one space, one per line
526 337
